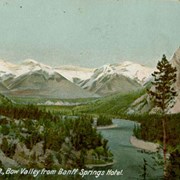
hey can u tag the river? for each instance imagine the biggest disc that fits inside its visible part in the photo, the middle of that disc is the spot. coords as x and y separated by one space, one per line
127 157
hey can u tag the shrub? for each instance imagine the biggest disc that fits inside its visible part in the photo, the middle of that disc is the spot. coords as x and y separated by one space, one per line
137 131
103 121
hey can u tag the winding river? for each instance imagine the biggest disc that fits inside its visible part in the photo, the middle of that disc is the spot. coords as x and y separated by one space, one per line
127 157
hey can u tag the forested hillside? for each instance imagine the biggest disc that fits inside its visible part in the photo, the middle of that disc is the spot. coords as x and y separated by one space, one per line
35 138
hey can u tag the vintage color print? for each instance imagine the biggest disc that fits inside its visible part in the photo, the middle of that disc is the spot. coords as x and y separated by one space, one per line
89 89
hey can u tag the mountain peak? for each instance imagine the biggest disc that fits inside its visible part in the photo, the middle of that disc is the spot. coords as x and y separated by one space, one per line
30 61
125 63
35 65
6 63
106 69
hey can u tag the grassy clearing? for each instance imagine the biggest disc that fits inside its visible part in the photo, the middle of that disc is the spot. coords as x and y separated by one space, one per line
111 105
35 100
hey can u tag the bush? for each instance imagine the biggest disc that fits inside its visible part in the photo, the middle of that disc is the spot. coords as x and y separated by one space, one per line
173 171
103 121
5 130
137 131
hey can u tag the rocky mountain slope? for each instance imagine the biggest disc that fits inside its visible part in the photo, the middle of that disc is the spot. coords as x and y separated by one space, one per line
143 104
176 63
35 79
32 78
114 78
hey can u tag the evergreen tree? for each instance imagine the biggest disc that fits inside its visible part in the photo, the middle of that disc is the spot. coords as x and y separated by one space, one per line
173 171
163 94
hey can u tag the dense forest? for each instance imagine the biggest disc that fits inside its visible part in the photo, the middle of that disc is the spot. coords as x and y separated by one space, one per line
151 124
67 142
34 138
150 129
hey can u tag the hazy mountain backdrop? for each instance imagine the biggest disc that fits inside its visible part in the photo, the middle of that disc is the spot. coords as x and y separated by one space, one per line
33 79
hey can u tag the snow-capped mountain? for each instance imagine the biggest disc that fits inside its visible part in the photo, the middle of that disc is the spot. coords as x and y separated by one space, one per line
15 70
6 70
9 70
30 75
113 78
31 78
135 71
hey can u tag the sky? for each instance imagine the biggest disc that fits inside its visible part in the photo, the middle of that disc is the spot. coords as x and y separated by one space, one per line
89 33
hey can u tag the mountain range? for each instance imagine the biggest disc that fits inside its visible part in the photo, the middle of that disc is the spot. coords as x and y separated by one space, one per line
115 78
34 79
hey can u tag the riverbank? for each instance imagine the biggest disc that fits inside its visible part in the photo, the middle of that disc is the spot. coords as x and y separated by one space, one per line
149 146
90 166
107 127
125 155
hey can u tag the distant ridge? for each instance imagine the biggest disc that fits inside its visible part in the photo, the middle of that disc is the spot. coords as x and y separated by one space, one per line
31 78
115 78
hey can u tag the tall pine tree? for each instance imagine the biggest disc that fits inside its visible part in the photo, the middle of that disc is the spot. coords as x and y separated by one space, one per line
163 95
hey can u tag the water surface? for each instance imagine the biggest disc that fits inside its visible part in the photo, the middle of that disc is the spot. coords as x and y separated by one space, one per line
127 157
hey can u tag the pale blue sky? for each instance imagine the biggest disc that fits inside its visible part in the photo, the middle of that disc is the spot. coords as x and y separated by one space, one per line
89 32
